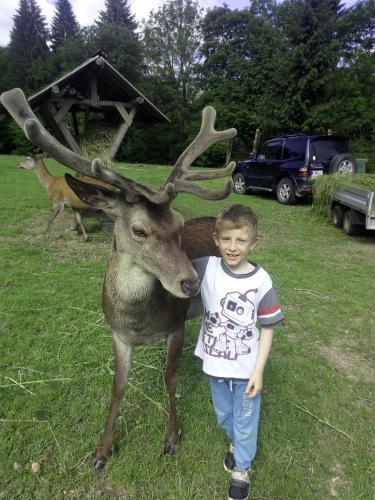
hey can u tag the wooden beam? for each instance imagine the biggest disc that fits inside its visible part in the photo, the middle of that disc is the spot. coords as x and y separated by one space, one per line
94 87
101 104
125 115
256 140
75 125
229 151
61 128
124 127
65 106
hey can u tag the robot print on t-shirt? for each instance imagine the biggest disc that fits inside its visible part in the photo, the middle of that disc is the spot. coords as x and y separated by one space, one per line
228 333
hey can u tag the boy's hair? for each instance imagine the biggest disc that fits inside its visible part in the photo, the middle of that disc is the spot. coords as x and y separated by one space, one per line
235 217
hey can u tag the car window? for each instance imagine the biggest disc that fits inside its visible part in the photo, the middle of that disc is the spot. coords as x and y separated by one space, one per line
325 148
295 148
271 151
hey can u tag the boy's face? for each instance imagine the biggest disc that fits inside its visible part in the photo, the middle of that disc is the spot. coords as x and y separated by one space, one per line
234 246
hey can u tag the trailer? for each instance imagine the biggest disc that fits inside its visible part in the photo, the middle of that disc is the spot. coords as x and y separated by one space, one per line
353 209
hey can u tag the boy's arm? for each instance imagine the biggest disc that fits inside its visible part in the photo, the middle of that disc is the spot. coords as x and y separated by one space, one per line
256 380
200 267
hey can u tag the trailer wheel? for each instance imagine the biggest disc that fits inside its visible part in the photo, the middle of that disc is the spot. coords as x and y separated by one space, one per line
349 226
337 216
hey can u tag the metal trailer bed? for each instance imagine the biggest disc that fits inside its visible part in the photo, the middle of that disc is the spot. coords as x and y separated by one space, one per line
353 209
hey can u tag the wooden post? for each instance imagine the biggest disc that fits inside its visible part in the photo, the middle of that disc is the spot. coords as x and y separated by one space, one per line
229 151
60 129
124 127
256 140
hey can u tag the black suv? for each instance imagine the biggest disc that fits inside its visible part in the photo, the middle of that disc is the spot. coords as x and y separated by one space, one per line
287 164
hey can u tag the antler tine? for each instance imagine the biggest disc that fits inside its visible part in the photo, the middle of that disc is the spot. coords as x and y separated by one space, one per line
206 137
18 107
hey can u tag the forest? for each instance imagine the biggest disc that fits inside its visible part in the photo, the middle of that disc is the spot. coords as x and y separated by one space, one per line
291 66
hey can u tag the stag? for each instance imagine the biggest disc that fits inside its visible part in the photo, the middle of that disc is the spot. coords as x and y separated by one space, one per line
149 280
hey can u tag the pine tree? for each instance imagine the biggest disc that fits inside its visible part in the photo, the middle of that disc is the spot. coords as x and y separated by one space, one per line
28 42
64 24
118 12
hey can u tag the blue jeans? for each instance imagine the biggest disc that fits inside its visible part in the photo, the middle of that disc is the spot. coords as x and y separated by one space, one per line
238 415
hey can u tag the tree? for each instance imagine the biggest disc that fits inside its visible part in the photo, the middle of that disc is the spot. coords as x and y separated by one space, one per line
64 24
310 28
28 42
242 53
118 12
171 38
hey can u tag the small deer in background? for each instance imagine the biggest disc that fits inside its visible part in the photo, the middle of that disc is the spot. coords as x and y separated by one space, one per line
59 192
149 280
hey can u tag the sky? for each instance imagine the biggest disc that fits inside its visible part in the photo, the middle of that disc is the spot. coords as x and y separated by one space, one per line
86 11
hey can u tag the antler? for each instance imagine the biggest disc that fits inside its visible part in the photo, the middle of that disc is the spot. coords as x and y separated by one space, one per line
179 181
16 104
206 137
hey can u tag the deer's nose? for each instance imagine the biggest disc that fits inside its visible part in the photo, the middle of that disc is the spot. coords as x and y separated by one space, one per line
190 287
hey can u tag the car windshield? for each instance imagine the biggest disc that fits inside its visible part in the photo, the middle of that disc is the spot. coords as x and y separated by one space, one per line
325 148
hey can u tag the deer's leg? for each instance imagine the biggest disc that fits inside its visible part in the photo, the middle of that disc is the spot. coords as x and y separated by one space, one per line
171 375
123 357
75 226
57 209
80 224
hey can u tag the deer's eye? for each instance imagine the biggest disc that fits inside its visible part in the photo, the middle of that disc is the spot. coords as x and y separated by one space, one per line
138 232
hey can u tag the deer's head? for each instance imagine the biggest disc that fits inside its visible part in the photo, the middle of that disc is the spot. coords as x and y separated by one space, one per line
30 161
147 229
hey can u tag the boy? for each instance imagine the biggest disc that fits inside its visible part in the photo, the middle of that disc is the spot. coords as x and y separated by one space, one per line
236 294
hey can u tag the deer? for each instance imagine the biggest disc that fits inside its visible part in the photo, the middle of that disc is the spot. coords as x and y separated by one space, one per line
58 190
150 286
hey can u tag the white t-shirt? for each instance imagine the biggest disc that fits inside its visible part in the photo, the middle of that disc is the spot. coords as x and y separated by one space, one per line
233 303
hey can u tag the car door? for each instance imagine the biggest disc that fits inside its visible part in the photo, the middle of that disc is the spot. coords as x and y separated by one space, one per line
261 171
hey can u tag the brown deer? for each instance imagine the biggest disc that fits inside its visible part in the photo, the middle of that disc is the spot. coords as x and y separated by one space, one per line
59 192
149 278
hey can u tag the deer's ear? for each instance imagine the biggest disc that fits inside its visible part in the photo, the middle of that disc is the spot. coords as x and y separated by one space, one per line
94 195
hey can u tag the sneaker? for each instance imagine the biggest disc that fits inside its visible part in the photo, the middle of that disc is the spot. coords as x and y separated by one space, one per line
240 485
229 462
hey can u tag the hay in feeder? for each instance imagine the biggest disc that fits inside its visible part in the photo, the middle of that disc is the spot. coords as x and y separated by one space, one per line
97 142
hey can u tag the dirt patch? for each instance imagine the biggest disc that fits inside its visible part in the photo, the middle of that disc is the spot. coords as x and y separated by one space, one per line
356 366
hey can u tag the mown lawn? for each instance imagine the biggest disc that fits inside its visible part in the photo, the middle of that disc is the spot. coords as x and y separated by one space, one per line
316 436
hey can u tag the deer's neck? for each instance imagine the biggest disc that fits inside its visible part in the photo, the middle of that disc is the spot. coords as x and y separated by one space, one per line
132 285
43 175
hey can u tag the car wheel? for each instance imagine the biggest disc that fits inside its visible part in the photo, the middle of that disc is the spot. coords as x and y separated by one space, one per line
285 192
239 185
343 164
348 224
337 216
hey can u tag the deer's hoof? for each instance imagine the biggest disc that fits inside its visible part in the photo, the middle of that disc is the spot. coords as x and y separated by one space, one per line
98 463
169 449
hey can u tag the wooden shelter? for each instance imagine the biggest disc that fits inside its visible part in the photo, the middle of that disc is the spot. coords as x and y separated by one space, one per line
93 86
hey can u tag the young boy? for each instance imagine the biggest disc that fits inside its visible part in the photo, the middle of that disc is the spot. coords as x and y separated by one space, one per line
236 294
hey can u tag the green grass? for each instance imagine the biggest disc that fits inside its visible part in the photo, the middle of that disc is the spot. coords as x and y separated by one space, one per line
56 363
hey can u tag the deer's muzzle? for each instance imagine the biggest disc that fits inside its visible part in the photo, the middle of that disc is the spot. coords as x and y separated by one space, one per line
190 287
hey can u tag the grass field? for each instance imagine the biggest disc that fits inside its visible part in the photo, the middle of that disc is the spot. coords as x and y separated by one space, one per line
316 435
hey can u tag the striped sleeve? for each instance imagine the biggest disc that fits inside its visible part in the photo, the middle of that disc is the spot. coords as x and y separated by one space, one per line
269 309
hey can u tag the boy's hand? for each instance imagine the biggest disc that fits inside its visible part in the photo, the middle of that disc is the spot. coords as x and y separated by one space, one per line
255 384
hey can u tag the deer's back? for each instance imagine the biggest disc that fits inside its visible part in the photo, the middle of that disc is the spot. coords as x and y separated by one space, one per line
197 240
